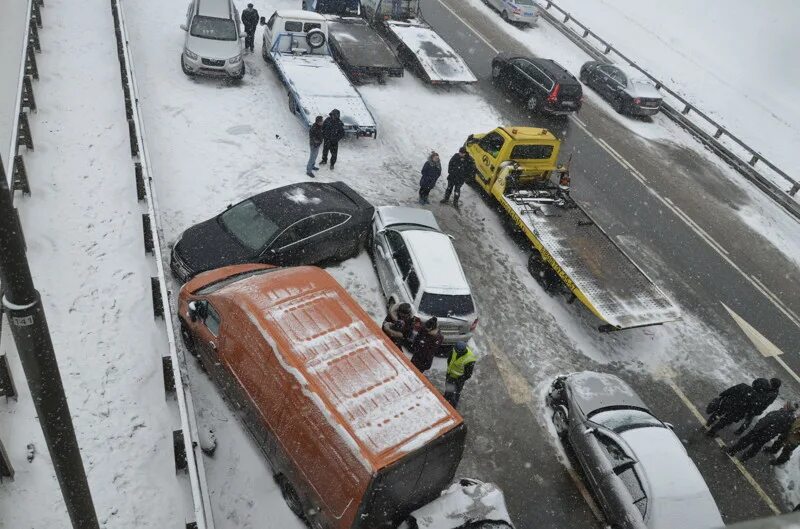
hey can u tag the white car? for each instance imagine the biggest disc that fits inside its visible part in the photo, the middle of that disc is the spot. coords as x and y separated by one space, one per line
516 11
213 42
467 504
418 264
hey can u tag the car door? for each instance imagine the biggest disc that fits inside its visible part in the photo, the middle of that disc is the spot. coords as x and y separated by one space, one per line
333 235
302 243
384 260
207 329
490 146
400 267
517 78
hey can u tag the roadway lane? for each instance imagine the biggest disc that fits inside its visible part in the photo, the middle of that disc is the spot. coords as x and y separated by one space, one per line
13 22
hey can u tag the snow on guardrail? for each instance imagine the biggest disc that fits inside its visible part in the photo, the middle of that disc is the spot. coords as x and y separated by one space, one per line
741 156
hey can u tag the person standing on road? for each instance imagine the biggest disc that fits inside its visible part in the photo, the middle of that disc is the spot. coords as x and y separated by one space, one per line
400 324
765 393
767 428
459 169
250 21
332 133
786 443
427 341
460 367
729 407
431 172
314 141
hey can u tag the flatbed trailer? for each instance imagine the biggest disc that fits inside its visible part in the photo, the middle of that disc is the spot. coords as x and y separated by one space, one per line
417 45
360 50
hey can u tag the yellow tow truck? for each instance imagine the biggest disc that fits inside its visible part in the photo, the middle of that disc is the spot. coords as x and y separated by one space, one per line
518 167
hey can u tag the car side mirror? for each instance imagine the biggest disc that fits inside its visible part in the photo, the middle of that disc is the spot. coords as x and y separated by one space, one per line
263 21
669 425
192 313
184 27
589 430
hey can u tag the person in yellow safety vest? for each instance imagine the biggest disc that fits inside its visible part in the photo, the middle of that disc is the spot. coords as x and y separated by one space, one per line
460 366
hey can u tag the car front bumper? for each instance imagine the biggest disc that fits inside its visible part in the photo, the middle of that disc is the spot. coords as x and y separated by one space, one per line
203 65
178 267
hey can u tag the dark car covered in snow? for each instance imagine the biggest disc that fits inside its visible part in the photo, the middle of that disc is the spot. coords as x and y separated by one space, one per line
298 224
626 95
634 464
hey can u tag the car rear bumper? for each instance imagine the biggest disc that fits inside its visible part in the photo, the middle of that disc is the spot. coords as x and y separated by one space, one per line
644 111
560 110
524 18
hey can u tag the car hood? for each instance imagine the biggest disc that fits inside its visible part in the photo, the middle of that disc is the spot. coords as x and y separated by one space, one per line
468 500
642 89
393 215
679 496
207 245
594 391
214 49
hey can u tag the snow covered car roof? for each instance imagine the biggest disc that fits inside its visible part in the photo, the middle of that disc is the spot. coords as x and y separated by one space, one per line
593 391
436 261
300 14
465 501
363 385
395 215
678 495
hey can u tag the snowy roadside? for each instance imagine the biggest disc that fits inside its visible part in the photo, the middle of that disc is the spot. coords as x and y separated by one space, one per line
83 230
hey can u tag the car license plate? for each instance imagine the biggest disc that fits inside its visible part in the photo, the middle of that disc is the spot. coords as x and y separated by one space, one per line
568 103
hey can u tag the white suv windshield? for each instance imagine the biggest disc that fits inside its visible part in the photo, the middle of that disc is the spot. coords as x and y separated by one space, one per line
213 28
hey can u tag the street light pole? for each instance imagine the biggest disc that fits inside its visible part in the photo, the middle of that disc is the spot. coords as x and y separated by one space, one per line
32 337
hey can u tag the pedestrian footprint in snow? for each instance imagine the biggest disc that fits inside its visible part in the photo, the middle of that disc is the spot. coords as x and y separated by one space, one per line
431 172
332 133
427 341
314 141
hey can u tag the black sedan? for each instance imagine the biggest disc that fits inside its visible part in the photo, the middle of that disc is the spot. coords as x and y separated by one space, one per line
298 224
637 468
543 85
626 95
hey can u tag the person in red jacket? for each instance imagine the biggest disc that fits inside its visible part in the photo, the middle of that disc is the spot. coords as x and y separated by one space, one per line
427 341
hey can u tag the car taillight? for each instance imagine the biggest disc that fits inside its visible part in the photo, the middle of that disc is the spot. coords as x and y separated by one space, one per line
637 101
553 97
474 324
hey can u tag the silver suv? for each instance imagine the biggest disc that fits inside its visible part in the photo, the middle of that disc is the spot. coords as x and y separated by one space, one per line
213 39
418 264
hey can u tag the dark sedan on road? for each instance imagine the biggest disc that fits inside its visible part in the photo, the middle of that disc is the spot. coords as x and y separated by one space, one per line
298 224
637 468
543 85
626 95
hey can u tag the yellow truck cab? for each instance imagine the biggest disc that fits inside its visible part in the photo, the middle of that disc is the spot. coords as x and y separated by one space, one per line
518 168
534 150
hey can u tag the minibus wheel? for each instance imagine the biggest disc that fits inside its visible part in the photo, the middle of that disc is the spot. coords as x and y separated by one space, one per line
291 497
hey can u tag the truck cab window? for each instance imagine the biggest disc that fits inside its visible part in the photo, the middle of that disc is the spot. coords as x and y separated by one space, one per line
492 143
211 319
308 26
293 26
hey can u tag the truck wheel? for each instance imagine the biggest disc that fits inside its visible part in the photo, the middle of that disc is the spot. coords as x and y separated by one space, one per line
561 422
265 54
542 271
292 104
291 497
315 38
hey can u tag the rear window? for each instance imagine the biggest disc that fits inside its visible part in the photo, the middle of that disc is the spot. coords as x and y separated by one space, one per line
531 152
442 305
570 90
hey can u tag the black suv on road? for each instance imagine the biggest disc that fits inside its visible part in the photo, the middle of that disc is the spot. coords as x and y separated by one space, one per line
542 84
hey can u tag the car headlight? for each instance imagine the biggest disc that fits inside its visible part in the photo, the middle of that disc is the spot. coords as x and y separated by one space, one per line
235 60
189 53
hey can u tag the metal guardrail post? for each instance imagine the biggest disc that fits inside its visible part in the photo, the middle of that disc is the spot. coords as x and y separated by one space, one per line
6 470
7 387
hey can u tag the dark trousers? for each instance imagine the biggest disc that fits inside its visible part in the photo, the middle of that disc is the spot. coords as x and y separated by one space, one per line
423 194
755 440
718 422
249 39
455 188
452 392
785 448
333 148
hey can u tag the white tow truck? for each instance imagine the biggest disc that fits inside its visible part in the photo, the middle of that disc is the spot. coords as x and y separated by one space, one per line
417 45
296 43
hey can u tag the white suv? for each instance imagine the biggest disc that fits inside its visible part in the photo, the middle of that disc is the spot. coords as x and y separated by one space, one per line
418 264
213 39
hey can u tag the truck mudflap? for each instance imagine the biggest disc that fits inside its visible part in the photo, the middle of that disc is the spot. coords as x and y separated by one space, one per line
597 271
419 45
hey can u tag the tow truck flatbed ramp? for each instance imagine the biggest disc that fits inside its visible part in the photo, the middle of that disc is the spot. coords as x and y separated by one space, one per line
437 59
614 287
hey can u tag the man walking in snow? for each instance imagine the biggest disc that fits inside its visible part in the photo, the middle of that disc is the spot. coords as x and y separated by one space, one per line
250 21
314 141
731 406
786 443
460 366
459 169
771 425
764 393
426 343
332 133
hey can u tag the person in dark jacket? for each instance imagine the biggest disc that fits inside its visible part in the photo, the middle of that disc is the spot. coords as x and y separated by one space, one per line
767 428
332 133
426 343
314 141
765 393
400 324
460 367
250 21
732 406
460 168
785 444
431 172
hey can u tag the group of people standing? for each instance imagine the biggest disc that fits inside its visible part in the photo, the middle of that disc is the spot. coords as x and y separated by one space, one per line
327 134
423 340
459 169
745 402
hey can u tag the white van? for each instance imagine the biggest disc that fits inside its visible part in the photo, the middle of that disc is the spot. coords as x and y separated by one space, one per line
213 39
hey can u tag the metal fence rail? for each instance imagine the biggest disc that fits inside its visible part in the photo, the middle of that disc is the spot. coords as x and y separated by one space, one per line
705 129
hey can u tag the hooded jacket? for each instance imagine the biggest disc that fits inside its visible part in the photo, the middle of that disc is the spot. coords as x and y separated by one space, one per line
332 127
425 345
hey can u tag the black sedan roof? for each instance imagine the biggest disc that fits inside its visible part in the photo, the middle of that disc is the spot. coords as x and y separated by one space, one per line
291 203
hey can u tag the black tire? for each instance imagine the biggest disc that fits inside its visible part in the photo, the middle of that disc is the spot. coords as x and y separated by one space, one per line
532 104
504 16
497 70
543 272
617 104
584 78
291 497
292 104
239 76
265 54
188 340
561 422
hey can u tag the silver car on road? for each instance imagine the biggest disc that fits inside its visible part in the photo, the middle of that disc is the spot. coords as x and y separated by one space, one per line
637 468
418 264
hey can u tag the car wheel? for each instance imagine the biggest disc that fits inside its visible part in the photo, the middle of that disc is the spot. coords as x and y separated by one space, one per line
496 71
292 104
291 497
185 69
561 422
239 76
617 104
583 77
188 339
532 104
504 14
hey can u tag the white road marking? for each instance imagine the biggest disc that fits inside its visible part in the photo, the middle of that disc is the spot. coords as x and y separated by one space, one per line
749 477
475 31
